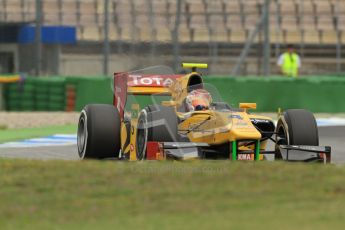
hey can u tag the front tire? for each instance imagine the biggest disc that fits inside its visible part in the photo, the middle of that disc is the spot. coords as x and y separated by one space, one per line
98 134
296 127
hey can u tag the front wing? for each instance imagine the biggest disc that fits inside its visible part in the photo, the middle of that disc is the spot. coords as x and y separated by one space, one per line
305 153
190 150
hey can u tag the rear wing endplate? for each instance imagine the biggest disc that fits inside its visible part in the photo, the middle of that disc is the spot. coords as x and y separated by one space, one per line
130 84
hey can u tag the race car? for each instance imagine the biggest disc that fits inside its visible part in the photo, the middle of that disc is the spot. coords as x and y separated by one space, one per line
187 119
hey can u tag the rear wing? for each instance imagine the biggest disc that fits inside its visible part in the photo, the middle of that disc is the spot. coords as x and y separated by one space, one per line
134 84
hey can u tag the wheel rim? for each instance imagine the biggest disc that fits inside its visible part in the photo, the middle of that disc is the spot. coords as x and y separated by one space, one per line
142 133
141 140
81 136
281 136
281 140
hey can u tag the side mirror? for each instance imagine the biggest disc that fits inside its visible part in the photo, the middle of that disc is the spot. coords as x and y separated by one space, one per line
246 106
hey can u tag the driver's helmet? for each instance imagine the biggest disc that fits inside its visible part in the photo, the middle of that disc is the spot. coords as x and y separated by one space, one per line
199 99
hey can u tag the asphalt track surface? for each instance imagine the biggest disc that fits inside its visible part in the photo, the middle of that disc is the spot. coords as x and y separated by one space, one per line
333 136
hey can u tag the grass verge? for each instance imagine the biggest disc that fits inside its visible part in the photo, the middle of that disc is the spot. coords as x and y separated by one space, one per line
18 134
170 195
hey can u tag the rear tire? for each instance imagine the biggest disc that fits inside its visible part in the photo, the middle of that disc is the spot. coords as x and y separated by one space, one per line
99 132
297 127
155 123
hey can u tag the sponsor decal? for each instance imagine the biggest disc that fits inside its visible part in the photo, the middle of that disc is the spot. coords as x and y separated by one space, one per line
245 157
236 116
152 80
256 121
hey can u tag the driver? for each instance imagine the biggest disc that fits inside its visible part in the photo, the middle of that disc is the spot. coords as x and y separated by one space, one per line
198 100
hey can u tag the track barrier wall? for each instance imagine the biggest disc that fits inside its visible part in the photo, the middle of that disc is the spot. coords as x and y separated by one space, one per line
317 94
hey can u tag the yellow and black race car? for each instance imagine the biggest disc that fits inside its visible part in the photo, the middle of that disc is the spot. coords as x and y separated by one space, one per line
188 120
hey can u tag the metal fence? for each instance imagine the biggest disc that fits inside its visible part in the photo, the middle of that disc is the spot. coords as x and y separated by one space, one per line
237 37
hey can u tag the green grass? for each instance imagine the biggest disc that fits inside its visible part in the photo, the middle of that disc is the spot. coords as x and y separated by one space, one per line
18 134
170 195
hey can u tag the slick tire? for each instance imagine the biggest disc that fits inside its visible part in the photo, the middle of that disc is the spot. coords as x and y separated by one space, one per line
98 133
155 123
297 127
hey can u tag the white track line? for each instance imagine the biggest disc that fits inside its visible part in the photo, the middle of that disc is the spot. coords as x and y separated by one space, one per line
71 139
332 121
53 140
